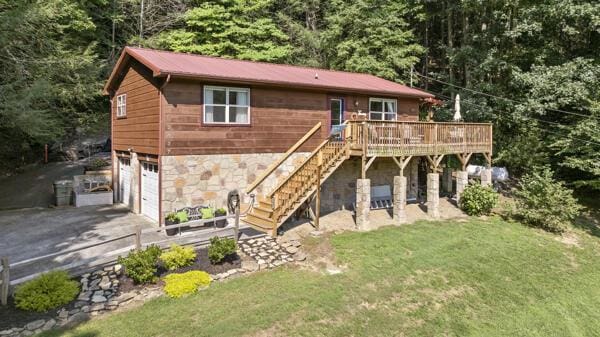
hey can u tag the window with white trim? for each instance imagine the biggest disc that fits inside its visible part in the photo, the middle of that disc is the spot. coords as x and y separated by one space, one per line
226 105
122 105
382 109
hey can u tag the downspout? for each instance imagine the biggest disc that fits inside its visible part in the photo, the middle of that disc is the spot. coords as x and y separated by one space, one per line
161 149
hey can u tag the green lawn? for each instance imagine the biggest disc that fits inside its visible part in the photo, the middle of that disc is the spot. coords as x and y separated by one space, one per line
481 277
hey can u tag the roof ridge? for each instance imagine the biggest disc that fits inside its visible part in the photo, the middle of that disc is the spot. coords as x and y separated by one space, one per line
261 62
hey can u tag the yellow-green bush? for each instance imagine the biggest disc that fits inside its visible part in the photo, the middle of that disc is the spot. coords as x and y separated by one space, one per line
177 285
48 291
178 256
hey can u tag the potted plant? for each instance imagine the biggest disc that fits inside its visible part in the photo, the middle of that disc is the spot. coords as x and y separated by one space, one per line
175 218
182 216
207 214
221 212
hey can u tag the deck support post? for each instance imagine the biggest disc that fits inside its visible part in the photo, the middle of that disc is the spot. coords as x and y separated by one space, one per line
462 179
434 162
464 159
486 174
399 212
363 203
413 173
433 195
486 177
447 180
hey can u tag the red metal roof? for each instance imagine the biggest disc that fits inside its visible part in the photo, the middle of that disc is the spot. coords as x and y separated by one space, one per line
164 63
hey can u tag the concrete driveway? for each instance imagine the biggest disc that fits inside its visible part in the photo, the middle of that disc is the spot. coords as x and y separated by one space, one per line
33 188
27 233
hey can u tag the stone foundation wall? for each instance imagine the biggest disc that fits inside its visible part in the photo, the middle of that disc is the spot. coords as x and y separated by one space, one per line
192 180
339 191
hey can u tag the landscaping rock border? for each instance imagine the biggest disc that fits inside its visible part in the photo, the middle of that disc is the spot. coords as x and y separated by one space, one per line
99 289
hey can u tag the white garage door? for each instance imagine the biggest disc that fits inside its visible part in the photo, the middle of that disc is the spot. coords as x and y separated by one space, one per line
150 190
125 181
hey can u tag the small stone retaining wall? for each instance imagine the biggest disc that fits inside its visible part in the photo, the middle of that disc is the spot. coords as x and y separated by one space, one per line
99 289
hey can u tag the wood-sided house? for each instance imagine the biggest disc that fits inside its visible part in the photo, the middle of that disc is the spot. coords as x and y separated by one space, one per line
187 129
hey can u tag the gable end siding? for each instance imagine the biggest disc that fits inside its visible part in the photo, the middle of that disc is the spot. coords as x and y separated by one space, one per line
139 129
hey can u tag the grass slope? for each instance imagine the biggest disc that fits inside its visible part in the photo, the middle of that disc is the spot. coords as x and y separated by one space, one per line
479 278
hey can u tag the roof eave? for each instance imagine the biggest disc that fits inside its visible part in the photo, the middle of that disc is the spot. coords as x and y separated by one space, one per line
289 84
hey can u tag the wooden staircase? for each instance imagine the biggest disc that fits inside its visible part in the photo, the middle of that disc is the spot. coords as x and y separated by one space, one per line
277 206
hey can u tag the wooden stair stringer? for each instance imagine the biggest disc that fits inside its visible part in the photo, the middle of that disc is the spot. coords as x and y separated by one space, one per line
310 192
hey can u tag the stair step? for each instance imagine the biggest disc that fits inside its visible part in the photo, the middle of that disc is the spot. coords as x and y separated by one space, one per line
263 211
259 224
259 217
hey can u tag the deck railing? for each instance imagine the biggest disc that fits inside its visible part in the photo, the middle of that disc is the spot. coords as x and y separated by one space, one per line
396 138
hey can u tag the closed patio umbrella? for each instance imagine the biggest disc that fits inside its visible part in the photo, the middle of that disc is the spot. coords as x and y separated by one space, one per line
457 116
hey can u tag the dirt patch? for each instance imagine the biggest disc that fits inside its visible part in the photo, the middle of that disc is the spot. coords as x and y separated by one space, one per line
320 254
569 239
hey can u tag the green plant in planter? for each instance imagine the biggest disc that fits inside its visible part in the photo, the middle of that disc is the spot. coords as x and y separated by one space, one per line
47 291
140 266
207 213
221 211
182 216
220 248
172 217
478 200
177 285
178 257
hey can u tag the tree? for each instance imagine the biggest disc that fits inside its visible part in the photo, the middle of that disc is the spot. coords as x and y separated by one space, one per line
370 36
49 73
231 28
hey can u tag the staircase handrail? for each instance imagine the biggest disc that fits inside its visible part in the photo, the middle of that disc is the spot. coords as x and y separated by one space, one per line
285 156
312 154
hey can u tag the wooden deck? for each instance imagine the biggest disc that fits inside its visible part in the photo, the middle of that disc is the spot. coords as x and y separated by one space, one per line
396 139
399 140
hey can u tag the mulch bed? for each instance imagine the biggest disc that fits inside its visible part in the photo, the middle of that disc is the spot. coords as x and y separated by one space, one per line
11 316
202 263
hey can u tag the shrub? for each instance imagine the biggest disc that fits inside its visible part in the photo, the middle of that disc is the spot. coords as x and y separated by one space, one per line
207 213
220 248
46 292
178 256
177 285
140 266
478 200
544 202
98 163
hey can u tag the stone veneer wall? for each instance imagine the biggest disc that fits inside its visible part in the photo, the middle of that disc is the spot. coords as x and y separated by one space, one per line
339 190
192 180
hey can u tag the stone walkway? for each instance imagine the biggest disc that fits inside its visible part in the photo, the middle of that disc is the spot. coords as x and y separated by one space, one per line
269 252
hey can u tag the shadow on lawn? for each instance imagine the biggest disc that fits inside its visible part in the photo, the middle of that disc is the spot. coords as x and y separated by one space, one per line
589 220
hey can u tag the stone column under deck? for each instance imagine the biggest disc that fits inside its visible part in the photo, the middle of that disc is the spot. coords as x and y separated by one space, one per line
447 180
399 213
363 203
486 177
462 179
433 195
